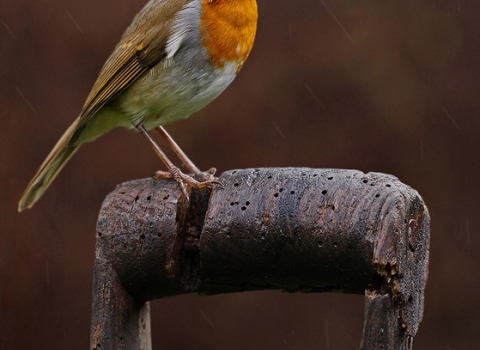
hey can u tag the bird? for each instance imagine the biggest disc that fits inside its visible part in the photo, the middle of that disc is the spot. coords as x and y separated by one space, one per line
174 58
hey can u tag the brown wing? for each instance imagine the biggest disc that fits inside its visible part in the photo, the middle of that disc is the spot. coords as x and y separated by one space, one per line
141 47
129 61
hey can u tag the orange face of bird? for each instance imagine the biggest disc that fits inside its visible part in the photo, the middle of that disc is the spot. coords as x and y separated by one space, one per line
228 30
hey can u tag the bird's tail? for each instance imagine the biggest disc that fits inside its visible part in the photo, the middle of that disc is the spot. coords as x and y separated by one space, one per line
50 168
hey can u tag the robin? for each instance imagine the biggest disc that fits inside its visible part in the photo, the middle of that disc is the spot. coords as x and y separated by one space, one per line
175 58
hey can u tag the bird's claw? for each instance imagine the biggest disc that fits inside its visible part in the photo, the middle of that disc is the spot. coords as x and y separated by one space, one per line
206 179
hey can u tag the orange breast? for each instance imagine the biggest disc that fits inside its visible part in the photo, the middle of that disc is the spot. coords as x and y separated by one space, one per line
228 30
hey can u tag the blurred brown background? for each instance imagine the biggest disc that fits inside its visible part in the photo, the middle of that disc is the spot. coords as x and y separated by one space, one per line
389 86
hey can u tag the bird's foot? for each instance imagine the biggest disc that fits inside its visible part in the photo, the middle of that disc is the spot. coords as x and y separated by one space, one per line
200 180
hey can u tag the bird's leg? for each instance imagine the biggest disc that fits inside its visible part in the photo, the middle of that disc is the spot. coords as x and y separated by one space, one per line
173 172
192 168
